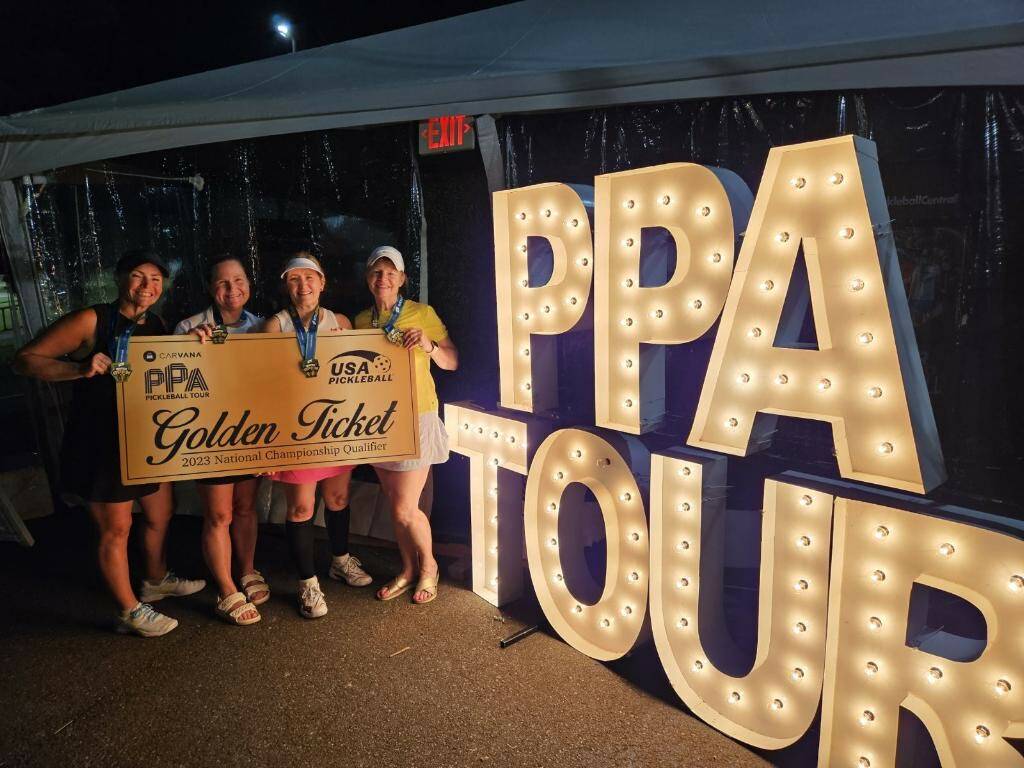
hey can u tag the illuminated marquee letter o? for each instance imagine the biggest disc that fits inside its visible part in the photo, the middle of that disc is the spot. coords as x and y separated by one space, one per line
608 629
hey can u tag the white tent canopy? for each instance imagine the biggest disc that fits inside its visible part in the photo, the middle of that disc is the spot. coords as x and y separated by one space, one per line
539 55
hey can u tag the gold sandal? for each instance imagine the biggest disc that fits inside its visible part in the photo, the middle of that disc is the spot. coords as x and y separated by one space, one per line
427 584
397 586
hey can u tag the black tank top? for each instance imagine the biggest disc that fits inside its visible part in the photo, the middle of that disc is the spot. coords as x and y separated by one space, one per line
94 400
90 463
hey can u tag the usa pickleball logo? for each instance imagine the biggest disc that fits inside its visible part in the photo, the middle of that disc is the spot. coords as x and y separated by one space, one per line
360 366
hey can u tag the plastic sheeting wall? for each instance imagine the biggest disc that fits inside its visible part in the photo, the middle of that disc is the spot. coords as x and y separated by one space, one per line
343 192
952 161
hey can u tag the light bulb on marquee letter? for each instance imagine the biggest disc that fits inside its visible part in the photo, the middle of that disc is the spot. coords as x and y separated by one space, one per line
527 371
605 630
844 320
964 714
701 208
491 441
788 667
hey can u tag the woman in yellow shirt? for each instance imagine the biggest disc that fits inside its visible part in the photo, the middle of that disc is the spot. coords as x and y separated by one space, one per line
415 326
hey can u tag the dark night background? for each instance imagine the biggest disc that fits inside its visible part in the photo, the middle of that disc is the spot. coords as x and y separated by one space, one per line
69 50
952 160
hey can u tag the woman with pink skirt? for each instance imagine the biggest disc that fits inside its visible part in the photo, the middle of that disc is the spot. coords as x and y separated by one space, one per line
304 282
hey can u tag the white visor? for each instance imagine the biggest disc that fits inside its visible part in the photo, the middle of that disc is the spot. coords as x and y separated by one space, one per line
386 252
301 262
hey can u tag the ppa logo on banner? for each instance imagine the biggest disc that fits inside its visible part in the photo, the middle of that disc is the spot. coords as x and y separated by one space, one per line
838 561
175 381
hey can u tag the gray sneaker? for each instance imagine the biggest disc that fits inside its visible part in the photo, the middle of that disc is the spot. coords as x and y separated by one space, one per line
348 569
311 599
144 620
169 586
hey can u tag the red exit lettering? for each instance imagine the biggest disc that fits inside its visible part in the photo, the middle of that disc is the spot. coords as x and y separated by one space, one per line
445 132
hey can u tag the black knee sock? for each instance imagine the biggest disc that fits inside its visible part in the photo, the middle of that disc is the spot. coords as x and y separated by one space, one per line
337 529
300 544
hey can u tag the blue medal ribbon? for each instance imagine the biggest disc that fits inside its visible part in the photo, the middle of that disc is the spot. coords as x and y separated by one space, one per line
306 339
117 345
393 334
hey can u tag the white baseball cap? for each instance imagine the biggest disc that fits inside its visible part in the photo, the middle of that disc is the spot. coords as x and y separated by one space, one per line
301 262
386 252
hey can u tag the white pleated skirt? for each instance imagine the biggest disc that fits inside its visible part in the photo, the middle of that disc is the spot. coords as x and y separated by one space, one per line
433 446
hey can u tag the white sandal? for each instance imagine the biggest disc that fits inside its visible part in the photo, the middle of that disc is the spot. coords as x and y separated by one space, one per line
233 609
256 589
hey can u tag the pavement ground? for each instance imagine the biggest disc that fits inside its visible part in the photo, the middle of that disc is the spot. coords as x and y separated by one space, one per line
370 684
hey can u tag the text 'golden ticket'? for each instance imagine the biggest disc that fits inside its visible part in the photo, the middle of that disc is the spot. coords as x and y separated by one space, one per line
192 410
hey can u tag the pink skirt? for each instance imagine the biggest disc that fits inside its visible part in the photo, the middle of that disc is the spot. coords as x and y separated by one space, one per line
304 476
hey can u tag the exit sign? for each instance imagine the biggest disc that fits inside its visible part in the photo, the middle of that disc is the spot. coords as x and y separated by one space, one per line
449 133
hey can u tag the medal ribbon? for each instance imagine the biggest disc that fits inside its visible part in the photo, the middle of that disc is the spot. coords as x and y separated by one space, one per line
395 312
306 339
118 342
218 320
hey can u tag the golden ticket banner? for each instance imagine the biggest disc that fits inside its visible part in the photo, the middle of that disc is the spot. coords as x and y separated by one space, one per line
192 410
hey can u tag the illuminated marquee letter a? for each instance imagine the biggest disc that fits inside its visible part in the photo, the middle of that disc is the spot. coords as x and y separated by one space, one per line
865 376
556 213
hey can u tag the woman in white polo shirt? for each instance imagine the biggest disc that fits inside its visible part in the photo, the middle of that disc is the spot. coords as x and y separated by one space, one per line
230 524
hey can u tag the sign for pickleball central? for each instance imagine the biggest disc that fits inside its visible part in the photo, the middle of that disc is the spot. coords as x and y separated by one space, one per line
192 410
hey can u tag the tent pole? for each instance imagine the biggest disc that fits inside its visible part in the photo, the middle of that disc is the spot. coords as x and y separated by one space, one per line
19 253
490 151
43 399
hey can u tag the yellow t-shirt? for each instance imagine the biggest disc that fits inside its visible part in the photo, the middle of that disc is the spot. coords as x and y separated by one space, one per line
422 316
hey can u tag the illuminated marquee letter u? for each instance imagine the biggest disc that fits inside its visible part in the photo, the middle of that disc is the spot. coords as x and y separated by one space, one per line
772 704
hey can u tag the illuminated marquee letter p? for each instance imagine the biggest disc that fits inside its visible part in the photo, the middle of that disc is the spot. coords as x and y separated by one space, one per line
556 213
699 209
865 376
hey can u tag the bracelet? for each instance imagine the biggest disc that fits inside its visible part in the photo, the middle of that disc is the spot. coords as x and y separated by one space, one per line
433 348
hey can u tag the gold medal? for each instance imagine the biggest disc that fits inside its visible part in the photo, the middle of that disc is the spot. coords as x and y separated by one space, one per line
120 371
391 332
310 368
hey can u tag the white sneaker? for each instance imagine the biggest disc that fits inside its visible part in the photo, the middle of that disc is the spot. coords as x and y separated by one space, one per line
169 586
347 568
144 620
311 600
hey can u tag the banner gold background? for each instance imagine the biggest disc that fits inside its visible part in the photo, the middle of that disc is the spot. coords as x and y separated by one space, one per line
192 410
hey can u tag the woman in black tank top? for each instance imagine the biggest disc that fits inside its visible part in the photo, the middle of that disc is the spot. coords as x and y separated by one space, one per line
80 347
